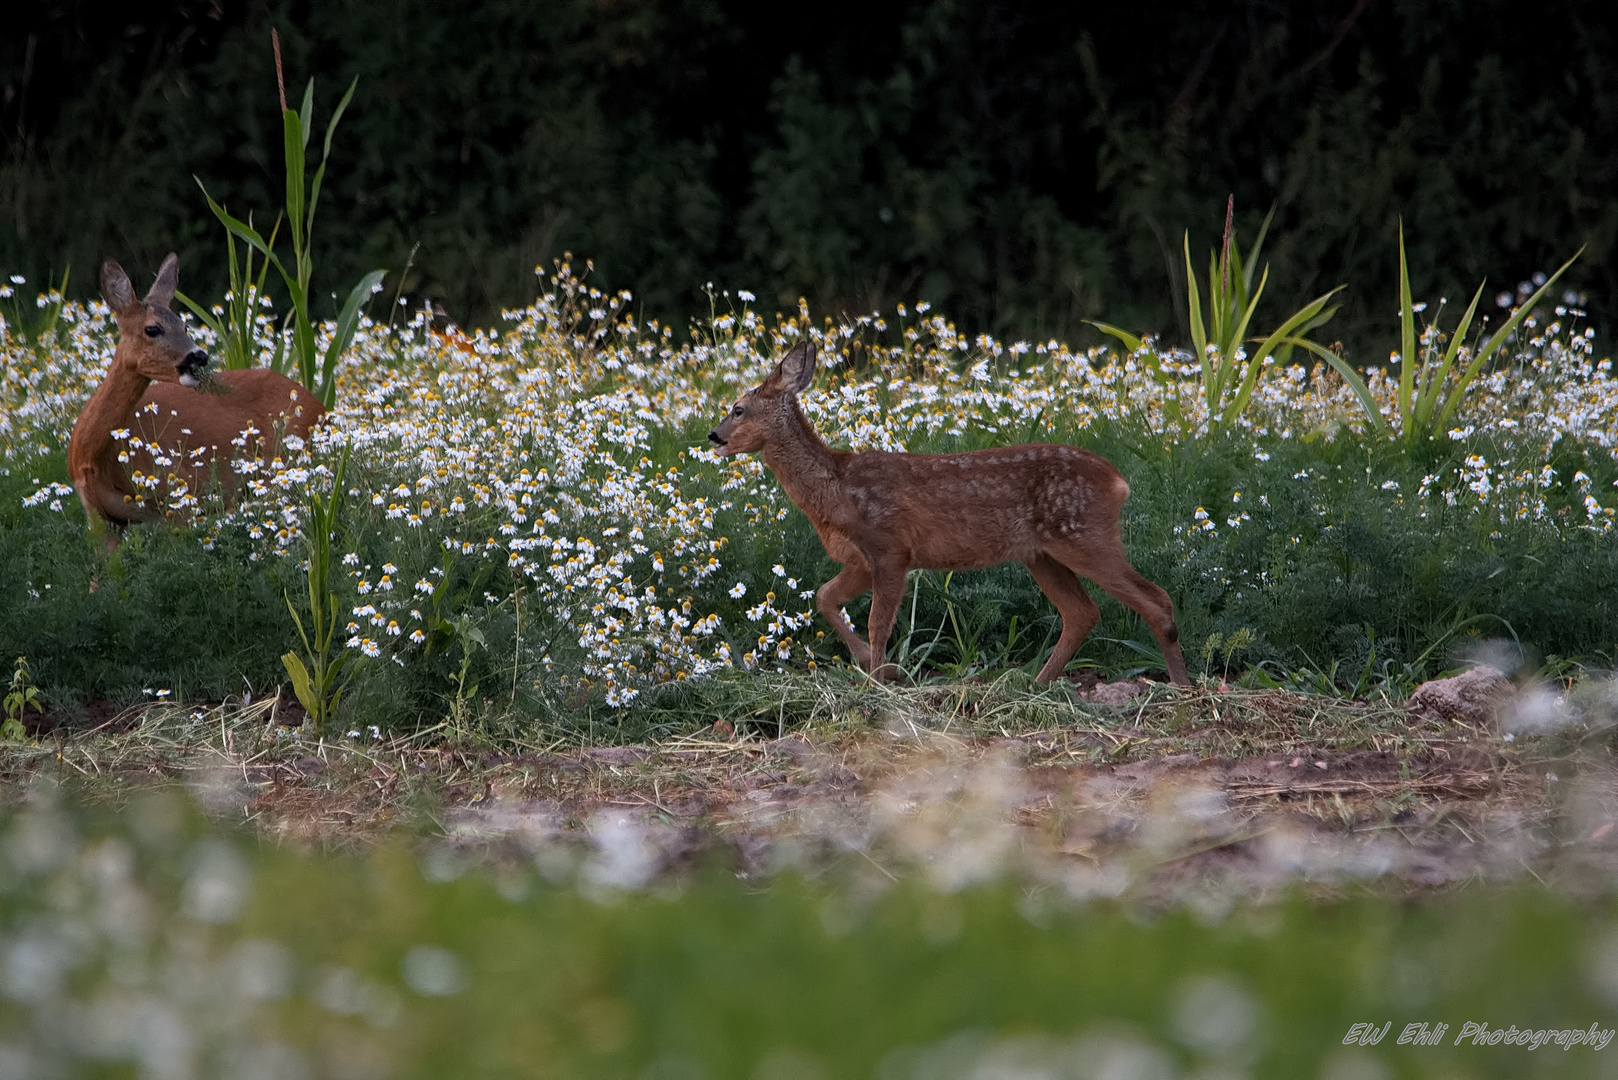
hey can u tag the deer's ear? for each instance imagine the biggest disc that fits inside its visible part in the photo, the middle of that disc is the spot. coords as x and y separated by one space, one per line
797 368
168 279
115 287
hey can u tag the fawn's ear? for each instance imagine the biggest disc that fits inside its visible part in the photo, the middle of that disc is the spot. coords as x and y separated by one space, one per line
115 288
168 279
797 368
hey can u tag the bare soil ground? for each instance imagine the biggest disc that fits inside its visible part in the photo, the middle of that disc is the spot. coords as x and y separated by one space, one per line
1193 795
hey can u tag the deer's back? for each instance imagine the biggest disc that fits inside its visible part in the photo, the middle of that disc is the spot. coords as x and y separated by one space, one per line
256 397
186 421
957 511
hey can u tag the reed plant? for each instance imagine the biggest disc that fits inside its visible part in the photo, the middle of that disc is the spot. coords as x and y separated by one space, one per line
320 676
1431 385
1427 400
317 370
1228 372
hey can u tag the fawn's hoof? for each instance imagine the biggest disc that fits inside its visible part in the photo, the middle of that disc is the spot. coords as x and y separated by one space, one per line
887 673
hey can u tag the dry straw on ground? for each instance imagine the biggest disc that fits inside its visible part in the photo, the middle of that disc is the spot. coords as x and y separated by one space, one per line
1202 795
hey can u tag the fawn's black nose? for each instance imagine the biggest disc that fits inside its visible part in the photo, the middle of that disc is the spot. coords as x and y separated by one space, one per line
713 437
194 362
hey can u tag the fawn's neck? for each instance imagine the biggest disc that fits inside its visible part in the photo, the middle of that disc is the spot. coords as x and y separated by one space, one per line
111 406
806 468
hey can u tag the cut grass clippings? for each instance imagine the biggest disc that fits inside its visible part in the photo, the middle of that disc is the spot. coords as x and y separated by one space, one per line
765 771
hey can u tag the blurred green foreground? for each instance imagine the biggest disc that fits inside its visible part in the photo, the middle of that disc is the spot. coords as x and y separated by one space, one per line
152 943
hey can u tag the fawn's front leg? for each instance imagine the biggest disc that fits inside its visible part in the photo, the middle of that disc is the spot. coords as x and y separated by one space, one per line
854 579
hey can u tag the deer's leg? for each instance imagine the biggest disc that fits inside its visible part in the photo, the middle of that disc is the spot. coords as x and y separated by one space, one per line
1079 612
854 579
887 593
1110 568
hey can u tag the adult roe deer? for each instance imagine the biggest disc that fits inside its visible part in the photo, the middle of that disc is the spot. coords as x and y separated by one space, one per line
150 392
1053 508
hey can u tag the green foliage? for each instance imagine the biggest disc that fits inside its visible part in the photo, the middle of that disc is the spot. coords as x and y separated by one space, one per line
1342 583
1349 564
167 613
321 675
471 639
1430 395
1334 571
20 696
1218 644
1228 381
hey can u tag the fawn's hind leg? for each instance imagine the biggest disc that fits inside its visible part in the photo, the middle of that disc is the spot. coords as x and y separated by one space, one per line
887 592
1079 612
1109 567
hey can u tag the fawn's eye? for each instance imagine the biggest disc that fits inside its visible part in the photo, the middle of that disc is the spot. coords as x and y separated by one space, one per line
737 411
154 331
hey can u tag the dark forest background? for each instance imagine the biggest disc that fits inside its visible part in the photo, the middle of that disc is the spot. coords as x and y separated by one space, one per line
1022 166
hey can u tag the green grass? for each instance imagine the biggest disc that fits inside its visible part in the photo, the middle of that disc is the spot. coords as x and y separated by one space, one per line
165 614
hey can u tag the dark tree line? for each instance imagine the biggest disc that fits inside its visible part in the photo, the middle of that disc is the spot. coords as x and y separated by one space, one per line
1022 166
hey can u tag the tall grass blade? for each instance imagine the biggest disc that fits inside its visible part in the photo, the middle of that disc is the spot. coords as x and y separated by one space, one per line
1431 391
1258 246
337 115
1218 323
1240 332
320 173
1199 336
303 340
347 322
1353 378
306 114
1497 339
1407 336
1286 330
292 142
209 319
1131 342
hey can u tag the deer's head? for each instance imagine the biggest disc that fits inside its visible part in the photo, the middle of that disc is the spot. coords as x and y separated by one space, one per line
767 408
151 338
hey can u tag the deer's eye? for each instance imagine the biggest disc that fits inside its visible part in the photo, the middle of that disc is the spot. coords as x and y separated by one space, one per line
154 331
737 411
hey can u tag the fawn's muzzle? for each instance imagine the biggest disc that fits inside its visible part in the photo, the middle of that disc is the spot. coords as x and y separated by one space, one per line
713 437
192 366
